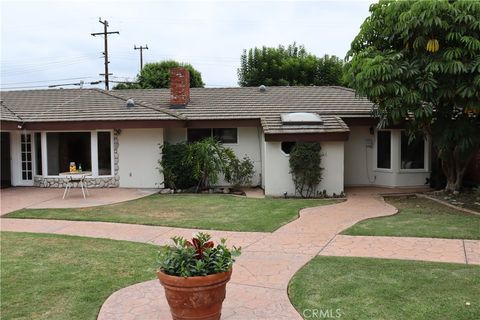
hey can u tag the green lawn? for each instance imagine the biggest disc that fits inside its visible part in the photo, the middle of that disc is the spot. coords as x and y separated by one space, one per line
216 212
64 277
364 289
419 217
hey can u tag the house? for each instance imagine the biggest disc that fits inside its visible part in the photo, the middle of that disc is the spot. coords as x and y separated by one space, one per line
116 134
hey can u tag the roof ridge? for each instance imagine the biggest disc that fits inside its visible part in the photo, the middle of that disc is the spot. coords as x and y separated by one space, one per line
143 104
2 103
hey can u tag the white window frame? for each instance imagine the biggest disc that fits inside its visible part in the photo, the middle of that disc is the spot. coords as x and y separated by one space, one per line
426 156
93 152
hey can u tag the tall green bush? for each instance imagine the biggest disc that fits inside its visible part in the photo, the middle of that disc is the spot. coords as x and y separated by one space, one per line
305 160
176 171
209 159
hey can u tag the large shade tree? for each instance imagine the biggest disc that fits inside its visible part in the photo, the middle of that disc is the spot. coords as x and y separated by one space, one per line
419 63
157 75
292 65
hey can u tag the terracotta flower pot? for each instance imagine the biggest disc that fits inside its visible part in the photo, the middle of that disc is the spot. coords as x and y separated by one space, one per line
198 298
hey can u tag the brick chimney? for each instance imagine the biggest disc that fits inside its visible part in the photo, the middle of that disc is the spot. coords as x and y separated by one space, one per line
179 87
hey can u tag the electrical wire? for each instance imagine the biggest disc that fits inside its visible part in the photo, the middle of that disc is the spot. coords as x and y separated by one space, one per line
40 81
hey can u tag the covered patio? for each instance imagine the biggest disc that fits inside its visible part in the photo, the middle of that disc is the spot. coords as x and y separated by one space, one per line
16 198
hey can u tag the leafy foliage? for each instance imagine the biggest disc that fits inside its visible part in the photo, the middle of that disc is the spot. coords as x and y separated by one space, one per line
176 172
292 66
305 159
241 171
420 61
208 159
199 257
157 75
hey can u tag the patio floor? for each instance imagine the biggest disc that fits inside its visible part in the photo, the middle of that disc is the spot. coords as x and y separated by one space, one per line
17 198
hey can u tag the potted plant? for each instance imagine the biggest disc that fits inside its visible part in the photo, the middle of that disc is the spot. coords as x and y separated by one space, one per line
194 274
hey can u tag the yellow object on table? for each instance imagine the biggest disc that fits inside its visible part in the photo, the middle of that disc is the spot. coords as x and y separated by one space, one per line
73 167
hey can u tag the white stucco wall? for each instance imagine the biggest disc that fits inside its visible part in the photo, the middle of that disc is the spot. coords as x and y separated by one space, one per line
277 169
248 144
359 157
361 162
139 153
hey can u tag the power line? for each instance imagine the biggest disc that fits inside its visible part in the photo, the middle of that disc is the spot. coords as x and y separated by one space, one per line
105 34
40 81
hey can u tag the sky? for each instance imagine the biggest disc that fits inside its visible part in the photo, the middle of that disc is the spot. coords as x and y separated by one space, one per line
49 42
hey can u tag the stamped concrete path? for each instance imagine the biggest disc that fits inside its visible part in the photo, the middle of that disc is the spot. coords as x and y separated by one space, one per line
258 289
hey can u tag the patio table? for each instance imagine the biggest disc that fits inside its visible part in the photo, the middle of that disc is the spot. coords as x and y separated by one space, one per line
76 177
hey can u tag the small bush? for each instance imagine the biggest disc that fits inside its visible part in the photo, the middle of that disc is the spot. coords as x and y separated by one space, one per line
176 171
305 159
241 172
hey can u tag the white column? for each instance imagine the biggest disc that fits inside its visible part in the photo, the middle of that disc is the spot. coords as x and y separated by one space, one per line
43 145
94 153
396 146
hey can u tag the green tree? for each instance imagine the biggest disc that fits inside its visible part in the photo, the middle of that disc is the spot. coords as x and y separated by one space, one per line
419 61
157 75
292 66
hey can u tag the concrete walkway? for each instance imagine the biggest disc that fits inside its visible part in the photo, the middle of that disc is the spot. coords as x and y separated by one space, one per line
17 198
258 289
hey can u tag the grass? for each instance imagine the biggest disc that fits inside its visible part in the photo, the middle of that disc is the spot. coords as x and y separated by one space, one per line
64 277
419 217
214 212
361 289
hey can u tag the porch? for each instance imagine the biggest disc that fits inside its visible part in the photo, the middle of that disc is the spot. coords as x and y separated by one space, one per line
17 198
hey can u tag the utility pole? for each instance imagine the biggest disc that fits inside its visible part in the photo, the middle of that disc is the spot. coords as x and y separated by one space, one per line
141 54
105 34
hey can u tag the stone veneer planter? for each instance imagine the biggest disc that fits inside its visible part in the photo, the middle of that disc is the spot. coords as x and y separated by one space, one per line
92 182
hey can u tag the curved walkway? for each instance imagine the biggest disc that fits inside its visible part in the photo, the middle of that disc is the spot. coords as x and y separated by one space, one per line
258 289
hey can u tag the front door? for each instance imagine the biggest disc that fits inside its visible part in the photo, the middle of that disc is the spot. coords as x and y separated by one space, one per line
26 177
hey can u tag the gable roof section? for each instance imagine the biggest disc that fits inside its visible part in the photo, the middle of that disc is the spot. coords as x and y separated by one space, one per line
6 114
76 105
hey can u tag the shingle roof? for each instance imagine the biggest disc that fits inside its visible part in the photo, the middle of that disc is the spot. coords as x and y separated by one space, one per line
6 114
250 102
205 104
76 105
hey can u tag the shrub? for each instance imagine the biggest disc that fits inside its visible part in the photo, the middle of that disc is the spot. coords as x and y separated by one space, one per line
241 172
305 159
176 171
208 159
198 257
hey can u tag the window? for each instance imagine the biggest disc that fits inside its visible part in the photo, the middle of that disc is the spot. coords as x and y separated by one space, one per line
384 149
38 153
194 135
224 135
26 140
66 147
287 146
413 154
104 154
